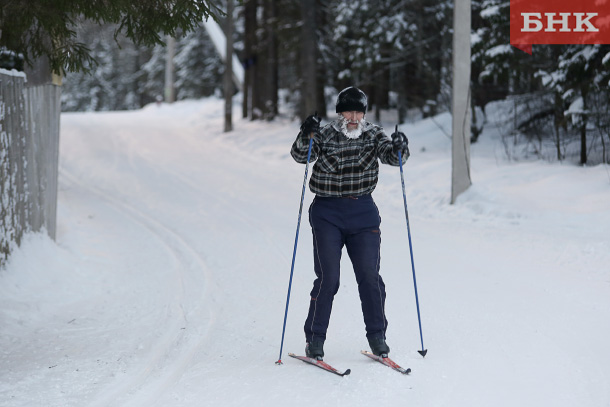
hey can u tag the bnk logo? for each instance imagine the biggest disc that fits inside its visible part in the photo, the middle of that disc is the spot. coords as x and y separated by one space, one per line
559 22
532 22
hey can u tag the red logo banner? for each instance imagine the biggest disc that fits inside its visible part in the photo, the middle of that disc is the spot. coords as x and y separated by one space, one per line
559 22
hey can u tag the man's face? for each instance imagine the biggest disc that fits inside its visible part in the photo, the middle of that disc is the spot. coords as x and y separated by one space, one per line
353 118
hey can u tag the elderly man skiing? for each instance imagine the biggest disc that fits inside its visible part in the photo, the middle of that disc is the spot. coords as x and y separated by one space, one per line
347 152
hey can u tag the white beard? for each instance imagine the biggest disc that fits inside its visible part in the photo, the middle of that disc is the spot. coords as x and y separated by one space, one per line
350 134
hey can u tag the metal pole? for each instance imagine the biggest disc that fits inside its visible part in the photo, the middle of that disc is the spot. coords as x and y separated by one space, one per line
294 253
423 351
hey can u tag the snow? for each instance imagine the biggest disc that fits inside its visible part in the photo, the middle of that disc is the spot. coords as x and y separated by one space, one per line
499 50
220 42
576 110
12 72
491 11
167 284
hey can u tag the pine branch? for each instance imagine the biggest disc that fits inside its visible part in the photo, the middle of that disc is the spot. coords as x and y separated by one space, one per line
42 28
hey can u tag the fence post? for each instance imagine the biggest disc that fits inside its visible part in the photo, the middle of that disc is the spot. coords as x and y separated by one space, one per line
29 158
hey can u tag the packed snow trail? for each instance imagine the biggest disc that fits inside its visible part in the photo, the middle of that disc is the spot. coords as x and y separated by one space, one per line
167 284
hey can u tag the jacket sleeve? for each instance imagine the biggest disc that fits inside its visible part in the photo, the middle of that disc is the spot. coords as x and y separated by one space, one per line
385 152
300 147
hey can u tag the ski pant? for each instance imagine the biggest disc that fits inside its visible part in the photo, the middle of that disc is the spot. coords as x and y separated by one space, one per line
352 222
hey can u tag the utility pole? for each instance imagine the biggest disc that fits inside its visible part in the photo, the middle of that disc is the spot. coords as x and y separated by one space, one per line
170 95
460 106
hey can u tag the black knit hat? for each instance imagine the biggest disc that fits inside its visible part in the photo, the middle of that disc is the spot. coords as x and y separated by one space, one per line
351 99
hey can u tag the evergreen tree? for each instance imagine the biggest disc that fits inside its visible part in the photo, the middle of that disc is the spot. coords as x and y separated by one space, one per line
37 28
198 66
581 81
129 77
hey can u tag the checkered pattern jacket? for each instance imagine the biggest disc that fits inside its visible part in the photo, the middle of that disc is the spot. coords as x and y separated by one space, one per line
345 167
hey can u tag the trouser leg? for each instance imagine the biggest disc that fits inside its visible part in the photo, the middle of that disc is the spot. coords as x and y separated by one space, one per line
327 246
363 247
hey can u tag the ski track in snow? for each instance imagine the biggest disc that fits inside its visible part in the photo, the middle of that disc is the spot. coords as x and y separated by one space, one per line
167 358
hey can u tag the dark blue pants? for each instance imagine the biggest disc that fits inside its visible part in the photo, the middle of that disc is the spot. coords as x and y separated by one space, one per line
353 223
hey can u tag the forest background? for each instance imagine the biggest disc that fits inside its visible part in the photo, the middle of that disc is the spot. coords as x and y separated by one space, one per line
301 53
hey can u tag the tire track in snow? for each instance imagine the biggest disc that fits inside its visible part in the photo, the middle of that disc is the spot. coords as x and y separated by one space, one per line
162 367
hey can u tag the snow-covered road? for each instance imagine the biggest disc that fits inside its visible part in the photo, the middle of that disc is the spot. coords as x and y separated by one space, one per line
167 284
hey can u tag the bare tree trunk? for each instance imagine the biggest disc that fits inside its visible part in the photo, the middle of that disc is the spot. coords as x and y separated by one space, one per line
257 69
606 157
309 80
402 96
583 127
228 77
321 17
381 81
271 79
250 7
583 140
558 124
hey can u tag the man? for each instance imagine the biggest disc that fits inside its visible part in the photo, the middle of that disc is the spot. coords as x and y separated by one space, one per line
343 213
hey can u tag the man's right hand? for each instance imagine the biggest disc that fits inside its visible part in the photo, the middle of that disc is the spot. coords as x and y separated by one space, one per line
311 125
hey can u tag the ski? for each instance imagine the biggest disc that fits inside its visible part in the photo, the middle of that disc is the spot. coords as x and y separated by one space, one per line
387 361
321 364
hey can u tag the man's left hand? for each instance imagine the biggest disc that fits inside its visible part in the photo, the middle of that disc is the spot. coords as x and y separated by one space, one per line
399 142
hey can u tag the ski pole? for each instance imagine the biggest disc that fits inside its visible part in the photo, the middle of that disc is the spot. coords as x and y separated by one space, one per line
423 351
296 240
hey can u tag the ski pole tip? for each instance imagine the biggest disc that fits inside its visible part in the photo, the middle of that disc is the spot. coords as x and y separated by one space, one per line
279 362
423 352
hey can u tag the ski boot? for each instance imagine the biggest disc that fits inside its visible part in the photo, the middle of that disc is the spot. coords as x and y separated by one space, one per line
315 350
379 347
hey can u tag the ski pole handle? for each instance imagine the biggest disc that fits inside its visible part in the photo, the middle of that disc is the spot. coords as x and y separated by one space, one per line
315 114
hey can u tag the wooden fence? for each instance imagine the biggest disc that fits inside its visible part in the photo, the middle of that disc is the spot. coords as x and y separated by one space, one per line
29 157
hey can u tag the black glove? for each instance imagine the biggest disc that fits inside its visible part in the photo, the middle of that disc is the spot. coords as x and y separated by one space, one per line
400 143
311 125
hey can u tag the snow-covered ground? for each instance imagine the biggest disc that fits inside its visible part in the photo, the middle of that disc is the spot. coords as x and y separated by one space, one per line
168 280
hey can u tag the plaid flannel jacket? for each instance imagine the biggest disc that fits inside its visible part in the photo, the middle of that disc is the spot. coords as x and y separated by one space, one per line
345 167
